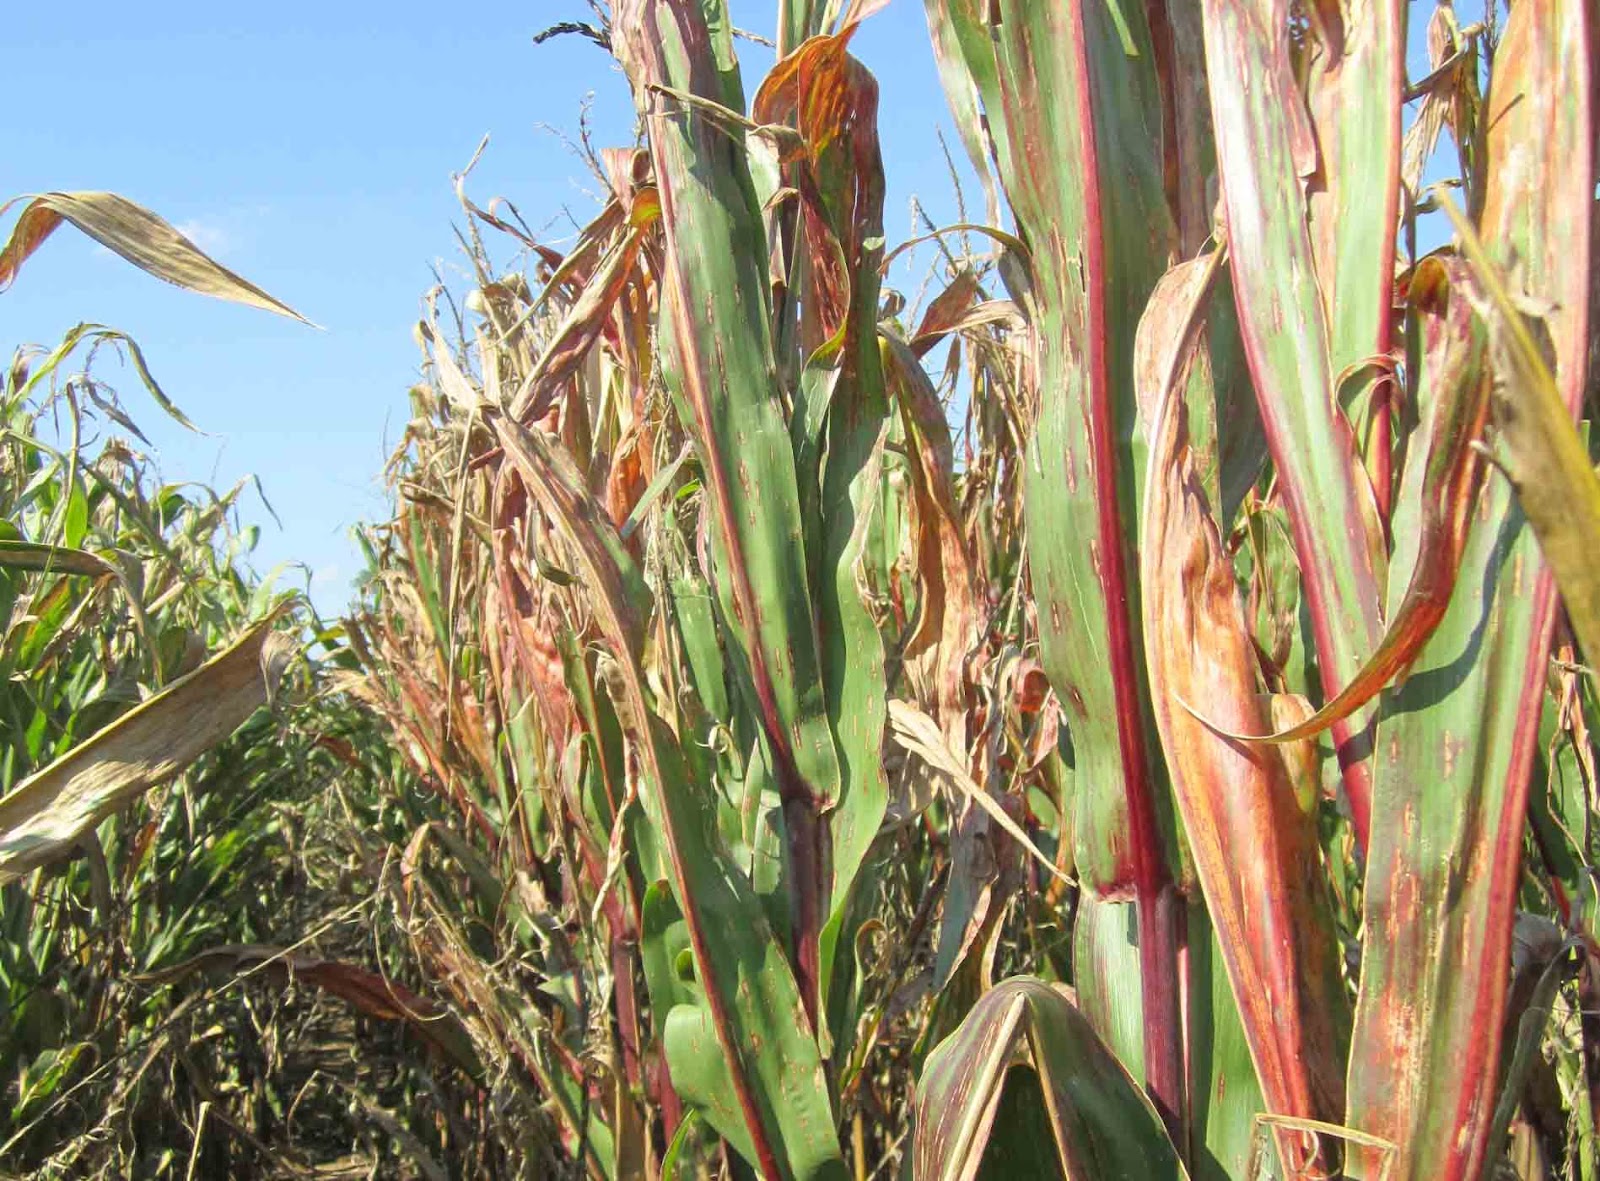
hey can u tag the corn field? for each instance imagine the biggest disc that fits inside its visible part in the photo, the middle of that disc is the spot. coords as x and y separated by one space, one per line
1120 712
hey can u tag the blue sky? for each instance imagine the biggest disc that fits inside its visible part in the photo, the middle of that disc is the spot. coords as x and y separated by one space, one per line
310 148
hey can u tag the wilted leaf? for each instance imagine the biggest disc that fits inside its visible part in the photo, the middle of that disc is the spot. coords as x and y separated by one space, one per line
1451 480
580 327
920 735
141 237
1255 847
950 587
54 559
43 818
375 995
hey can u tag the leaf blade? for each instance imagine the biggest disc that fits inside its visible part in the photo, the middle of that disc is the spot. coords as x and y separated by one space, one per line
139 236
44 816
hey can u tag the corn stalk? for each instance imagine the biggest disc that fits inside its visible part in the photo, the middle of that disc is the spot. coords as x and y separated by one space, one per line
778 715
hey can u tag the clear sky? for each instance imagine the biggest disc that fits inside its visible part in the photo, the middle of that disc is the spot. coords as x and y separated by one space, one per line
311 147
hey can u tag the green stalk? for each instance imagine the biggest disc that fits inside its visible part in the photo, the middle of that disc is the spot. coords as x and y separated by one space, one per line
719 362
1076 122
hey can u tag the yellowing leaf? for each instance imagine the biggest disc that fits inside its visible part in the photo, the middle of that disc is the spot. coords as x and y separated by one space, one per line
46 815
1255 847
141 237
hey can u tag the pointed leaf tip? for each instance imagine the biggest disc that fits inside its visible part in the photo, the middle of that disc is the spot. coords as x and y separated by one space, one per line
145 240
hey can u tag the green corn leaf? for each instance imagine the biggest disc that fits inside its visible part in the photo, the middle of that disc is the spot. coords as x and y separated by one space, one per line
842 413
1266 147
768 1094
1105 956
1353 79
1084 1104
75 523
1224 1092
1455 744
1083 172
719 363
963 94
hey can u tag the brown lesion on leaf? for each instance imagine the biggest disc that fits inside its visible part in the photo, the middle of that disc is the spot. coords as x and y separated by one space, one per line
1450 748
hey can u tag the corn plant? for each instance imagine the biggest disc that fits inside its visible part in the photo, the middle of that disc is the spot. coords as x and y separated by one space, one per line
1186 646
1426 616
150 809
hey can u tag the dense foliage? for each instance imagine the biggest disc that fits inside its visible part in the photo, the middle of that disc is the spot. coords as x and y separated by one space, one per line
1123 715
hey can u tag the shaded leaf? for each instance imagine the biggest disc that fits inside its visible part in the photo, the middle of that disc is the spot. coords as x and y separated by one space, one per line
54 559
375 995
1537 447
1101 1123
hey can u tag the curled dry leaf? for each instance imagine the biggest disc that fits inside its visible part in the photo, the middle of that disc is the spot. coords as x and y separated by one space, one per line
375 995
1255 848
583 322
949 614
920 735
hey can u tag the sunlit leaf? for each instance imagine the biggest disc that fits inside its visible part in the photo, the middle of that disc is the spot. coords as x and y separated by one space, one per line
139 236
